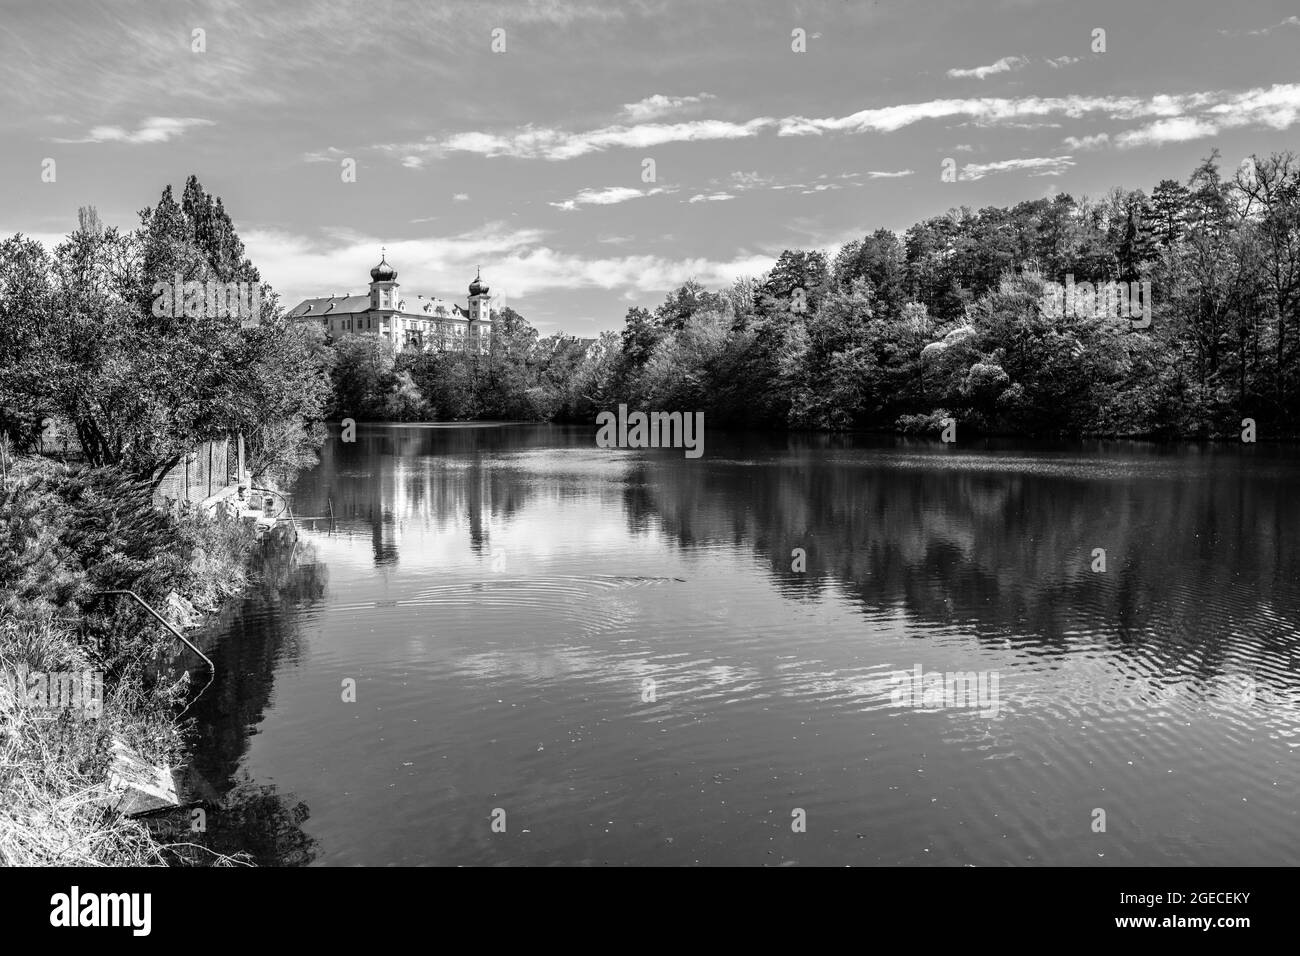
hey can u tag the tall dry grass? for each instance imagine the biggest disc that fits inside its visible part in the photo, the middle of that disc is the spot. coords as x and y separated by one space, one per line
66 533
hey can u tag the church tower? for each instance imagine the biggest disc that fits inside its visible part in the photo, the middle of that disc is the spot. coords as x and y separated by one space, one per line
383 286
480 311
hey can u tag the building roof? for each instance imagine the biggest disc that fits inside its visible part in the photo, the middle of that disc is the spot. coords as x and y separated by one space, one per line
330 305
419 306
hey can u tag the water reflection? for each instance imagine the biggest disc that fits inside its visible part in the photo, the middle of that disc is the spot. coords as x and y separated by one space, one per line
243 819
617 649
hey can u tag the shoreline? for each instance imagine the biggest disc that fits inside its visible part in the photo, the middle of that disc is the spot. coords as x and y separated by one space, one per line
934 434
72 533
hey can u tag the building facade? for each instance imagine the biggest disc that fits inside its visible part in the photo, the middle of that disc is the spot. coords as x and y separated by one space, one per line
409 320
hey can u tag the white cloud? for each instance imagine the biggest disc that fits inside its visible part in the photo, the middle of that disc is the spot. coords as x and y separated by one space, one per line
1004 65
152 129
556 144
1006 125
460 197
1205 113
1096 141
1178 130
1060 61
710 197
1038 166
608 196
653 107
888 119
1288 22
516 261
742 182
330 154
1277 106
750 180
549 269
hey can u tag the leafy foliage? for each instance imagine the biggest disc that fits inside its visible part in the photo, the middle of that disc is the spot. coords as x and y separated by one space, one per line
948 317
80 342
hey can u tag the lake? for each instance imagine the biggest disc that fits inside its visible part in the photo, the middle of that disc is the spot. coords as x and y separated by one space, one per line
564 654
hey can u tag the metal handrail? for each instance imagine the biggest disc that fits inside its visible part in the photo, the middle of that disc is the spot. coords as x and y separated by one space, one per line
167 624
288 509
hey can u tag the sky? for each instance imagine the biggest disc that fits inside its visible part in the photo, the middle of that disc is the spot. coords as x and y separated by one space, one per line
530 159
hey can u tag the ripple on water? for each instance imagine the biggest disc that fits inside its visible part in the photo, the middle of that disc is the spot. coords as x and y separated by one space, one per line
647 681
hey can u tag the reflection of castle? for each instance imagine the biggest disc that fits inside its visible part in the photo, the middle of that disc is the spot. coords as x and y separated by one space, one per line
404 487
419 321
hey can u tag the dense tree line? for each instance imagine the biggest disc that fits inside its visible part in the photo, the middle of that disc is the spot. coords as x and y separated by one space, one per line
81 345
892 331
899 331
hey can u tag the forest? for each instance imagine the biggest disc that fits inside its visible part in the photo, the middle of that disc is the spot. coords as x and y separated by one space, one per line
894 332
891 332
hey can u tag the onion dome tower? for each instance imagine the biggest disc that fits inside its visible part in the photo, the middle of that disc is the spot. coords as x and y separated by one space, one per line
383 285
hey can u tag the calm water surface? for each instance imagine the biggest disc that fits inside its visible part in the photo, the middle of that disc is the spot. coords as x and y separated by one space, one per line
503 595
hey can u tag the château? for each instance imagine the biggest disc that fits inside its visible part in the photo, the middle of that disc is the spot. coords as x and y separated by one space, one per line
409 320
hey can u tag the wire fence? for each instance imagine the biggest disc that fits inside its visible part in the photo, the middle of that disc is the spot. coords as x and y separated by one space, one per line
208 470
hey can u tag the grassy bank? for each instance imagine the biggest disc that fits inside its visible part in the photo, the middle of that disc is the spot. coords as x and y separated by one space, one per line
67 532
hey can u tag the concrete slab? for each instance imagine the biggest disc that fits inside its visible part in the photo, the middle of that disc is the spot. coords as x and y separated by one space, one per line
137 786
